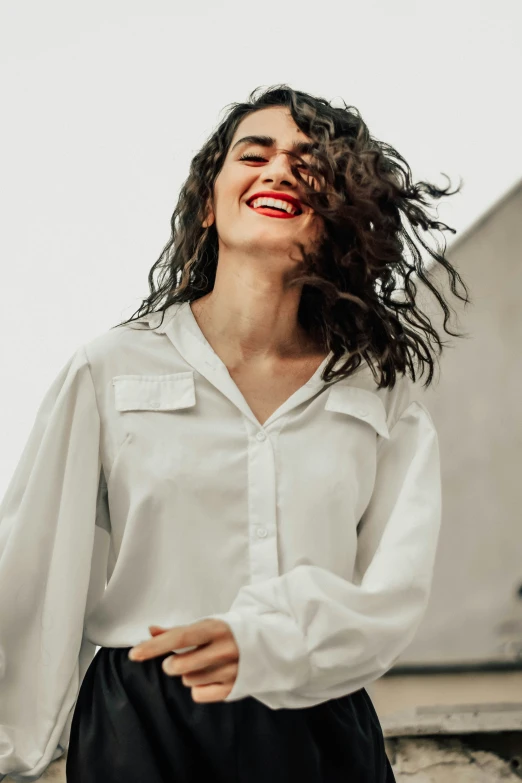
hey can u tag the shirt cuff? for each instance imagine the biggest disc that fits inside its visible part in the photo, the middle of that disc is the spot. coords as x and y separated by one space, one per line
272 653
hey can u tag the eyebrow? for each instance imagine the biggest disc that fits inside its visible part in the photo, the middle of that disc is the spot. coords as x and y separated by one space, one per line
301 147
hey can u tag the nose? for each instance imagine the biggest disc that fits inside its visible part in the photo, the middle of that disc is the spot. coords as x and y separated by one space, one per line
278 170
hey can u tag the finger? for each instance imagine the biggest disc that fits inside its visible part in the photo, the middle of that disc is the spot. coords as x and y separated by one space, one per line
209 693
217 675
178 637
155 630
218 653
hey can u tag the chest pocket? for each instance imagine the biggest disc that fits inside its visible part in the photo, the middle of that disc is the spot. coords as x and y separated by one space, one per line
154 392
154 430
360 404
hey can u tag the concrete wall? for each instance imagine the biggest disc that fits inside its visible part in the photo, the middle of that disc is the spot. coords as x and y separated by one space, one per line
475 612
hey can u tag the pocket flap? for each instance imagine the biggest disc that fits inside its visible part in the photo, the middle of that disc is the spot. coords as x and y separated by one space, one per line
154 392
360 403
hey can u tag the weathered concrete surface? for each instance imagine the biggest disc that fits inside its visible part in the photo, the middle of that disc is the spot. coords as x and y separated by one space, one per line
457 720
464 727
452 760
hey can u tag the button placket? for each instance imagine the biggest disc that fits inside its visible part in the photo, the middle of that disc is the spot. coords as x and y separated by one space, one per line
264 559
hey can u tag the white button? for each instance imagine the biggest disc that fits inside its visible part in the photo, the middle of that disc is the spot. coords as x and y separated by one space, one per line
362 412
154 404
261 436
262 532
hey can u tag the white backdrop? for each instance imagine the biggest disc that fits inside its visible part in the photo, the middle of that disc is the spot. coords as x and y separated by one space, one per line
105 103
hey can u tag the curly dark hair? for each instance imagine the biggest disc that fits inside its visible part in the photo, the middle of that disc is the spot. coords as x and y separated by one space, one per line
358 294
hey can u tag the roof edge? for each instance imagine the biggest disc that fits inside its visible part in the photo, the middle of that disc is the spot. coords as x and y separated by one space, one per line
485 216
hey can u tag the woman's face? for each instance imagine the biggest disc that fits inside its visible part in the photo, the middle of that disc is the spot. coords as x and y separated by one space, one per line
262 231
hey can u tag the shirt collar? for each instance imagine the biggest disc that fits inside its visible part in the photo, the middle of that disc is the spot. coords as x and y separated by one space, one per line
179 316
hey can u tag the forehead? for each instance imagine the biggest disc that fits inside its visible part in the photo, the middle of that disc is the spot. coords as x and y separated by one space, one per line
274 121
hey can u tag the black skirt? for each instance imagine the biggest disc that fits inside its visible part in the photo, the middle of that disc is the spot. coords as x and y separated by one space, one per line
133 723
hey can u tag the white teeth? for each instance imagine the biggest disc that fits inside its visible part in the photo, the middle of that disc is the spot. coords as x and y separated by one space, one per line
272 202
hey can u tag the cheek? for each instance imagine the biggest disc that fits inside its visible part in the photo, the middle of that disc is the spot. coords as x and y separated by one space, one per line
227 201
317 229
231 186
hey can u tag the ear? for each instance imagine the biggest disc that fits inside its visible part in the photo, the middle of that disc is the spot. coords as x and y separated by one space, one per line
209 217
208 220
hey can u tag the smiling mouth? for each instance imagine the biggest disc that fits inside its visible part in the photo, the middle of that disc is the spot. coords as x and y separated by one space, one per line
274 212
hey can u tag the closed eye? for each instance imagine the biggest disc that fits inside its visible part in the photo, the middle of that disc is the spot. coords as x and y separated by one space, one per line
252 156
248 156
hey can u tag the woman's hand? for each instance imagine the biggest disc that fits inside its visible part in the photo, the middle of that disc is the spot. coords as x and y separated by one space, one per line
210 671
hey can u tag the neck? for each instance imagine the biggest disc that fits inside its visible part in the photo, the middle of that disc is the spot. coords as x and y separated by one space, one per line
255 324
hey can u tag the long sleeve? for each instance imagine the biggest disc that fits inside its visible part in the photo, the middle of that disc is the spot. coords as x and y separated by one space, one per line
309 635
47 532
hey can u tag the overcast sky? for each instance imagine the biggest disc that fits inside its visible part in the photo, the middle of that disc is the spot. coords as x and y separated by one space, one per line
105 102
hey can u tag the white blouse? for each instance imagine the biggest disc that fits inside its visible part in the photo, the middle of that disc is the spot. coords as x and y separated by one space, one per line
149 493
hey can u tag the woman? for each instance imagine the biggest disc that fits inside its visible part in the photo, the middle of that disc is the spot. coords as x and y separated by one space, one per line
238 470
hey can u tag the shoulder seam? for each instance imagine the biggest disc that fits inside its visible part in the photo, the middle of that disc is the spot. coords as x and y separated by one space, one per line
421 405
426 410
89 367
404 391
